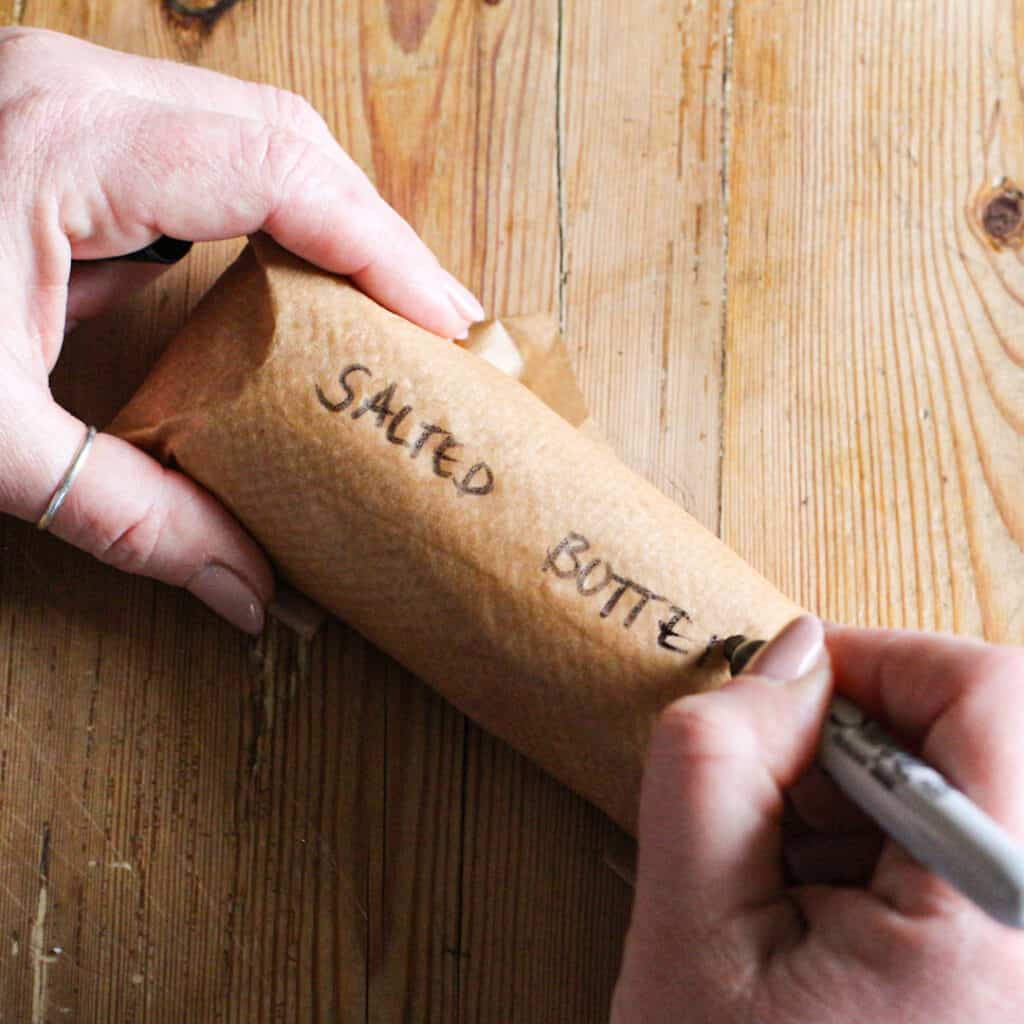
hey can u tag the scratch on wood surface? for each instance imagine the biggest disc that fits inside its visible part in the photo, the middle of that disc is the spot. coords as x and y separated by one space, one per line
49 764
9 893
456 951
41 959
263 700
666 336
280 655
284 649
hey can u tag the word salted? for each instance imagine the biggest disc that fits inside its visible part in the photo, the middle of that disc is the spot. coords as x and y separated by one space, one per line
477 480
597 575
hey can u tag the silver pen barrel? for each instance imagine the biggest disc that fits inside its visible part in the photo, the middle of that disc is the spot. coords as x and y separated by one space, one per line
935 822
914 804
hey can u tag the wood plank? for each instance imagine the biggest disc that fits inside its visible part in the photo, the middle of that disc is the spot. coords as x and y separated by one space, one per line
643 222
874 369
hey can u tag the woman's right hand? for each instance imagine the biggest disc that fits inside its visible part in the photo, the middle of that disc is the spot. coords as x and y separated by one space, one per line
852 929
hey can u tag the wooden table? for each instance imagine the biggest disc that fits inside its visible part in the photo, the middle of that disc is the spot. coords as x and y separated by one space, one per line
764 227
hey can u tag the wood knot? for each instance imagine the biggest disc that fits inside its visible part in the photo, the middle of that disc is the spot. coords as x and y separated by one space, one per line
1000 212
202 12
1002 215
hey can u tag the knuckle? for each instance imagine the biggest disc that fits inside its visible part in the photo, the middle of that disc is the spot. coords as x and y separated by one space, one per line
26 56
290 110
39 103
131 548
697 726
25 135
292 173
26 45
275 152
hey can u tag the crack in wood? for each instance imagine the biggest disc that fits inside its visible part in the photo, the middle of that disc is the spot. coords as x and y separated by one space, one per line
563 273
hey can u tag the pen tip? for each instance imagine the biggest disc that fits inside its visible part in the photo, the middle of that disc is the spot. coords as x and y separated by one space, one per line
738 651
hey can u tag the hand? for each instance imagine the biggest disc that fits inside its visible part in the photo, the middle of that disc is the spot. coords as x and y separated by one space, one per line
100 154
719 935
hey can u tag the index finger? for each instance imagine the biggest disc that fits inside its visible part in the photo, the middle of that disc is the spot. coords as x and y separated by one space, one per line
201 175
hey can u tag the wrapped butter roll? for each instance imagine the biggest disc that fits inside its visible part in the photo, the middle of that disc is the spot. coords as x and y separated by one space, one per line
446 511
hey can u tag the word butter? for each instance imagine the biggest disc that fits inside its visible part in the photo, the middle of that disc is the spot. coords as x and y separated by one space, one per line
595 576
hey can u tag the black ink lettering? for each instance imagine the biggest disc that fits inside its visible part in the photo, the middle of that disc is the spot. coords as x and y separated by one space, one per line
478 479
666 629
572 544
584 575
378 404
393 426
564 560
645 596
439 456
465 485
609 605
350 394
428 429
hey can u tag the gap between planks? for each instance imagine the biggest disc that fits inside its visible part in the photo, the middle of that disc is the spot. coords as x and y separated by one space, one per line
730 27
560 164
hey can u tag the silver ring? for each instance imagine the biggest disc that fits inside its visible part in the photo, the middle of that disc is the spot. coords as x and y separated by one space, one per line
64 487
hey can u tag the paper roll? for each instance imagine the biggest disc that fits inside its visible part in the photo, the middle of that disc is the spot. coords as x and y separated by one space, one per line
447 513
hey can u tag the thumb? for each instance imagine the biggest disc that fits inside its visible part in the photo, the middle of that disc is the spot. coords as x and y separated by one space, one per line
129 511
710 818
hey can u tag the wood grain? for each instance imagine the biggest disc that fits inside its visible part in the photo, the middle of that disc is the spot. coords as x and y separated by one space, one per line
644 256
874 365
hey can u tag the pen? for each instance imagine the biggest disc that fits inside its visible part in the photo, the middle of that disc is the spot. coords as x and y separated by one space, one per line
912 802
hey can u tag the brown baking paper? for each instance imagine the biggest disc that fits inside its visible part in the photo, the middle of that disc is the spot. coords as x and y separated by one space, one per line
445 511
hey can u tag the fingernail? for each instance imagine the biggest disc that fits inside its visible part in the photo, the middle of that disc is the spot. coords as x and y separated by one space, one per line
463 301
792 653
229 596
